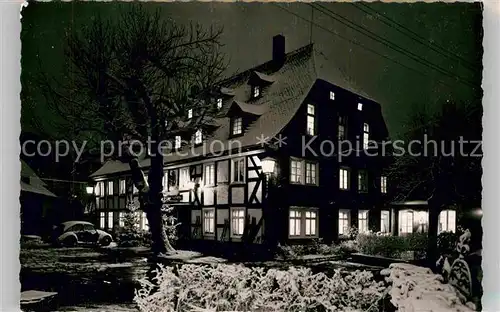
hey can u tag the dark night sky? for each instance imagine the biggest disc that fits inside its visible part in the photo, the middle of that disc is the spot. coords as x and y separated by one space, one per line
249 27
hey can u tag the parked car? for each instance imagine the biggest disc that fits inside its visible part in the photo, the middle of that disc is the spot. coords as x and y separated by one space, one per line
73 233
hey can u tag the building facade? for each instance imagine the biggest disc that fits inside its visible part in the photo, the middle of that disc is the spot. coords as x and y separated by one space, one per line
325 177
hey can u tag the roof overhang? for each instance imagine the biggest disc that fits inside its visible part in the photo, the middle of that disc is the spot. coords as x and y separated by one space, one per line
411 203
25 187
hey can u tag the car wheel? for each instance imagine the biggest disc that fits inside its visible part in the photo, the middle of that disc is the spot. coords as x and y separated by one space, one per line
70 241
105 241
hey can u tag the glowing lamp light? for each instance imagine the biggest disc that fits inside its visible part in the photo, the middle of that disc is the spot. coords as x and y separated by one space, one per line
478 212
89 189
268 165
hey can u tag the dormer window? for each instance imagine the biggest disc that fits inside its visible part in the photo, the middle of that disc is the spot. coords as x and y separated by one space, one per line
190 113
198 137
255 91
360 106
332 95
237 128
177 143
366 135
219 103
342 126
310 119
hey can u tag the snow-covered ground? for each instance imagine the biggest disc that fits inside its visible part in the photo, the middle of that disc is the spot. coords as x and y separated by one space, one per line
418 289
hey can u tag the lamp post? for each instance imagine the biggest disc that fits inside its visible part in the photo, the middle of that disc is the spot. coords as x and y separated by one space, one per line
269 209
268 168
90 190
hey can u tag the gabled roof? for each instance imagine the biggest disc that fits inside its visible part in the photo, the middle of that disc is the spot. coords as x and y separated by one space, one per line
276 107
37 189
27 172
264 77
253 109
289 86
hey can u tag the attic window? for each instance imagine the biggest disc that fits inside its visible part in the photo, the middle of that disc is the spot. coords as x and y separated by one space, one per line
237 126
219 103
332 95
310 119
190 113
198 137
256 91
360 106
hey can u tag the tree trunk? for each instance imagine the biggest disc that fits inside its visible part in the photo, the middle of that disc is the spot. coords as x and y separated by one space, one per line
434 209
151 201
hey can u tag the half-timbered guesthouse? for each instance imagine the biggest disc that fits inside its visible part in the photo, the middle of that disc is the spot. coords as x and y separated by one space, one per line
271 169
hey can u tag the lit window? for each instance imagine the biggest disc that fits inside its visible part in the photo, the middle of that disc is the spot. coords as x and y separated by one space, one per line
363 221
342 128
144 222
237 125
209 174
360 106
310 173
110 187
198 138
406 221
184 177
97 189
256 91
102 220
219 103
362 181
366 135
110 220
385 221
190 113
165 180
447 220
237 221
310 119
172 179
209 221
332 95
295 222
344 179
122 186
295 171
177 143
311 223
121 219
383 184
238 170
344 221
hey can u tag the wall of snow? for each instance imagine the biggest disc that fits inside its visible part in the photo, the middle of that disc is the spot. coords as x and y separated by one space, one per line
418 289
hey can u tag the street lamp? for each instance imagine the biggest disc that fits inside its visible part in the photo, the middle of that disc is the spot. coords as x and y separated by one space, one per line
89 189
268 165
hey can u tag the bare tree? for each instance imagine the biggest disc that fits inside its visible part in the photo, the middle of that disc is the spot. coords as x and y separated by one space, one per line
445 173
135 78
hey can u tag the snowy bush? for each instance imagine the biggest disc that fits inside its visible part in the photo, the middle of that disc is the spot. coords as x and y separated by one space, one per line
237 288
393 246
415 288
316 247
130 235
447 242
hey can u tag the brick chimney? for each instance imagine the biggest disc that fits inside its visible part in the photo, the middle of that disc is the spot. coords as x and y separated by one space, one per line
279 50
